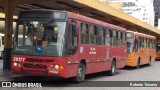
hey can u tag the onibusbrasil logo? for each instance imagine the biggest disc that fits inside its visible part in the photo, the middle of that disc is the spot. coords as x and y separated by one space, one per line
19 84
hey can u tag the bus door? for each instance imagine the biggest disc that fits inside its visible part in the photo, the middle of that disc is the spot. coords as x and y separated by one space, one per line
72 47
136 47
92 59
102 50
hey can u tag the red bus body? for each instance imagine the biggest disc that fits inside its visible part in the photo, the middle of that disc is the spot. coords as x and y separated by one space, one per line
98 57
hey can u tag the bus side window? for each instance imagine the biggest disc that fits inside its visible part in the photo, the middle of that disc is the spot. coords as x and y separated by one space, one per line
99 36
142 42
107 37
92 34
154 43
119 38
114 42
136 45
147 43
84 33
124 39
72 40
110 37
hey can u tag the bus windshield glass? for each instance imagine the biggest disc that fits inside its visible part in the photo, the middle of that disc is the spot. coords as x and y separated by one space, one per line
34 37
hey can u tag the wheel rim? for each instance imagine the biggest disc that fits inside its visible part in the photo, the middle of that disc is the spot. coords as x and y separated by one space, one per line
113 68
80 72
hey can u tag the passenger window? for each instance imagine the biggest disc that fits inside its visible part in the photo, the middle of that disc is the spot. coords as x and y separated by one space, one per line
100 36
84 34
72 39
145 43
119 39
124 38
114 39
111 36
107 37
92 34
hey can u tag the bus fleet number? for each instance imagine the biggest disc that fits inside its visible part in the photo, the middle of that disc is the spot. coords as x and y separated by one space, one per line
18 59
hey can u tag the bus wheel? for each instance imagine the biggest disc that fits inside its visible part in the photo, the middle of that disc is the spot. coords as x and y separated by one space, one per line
113 68
80 73
138 64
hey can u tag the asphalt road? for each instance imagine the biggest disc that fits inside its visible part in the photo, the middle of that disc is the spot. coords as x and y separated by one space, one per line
145 73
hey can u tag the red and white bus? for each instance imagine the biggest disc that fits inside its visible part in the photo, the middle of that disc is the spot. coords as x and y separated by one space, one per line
66 44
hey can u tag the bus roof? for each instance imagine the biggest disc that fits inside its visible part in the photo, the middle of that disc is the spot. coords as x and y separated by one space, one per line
143 35
83 18
94 21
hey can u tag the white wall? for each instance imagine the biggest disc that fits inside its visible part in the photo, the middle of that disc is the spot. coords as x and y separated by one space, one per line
141 9
159 24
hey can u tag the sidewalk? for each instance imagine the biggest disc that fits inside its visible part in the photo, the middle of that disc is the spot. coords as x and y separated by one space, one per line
6 75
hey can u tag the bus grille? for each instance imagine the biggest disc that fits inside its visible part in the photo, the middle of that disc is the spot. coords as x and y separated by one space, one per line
30 72
38 60
38 66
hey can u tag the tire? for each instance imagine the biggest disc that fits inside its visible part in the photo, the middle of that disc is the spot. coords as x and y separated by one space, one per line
113 68
138 64
80 73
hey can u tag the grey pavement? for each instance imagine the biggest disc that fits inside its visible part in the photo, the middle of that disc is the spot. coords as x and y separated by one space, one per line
145 73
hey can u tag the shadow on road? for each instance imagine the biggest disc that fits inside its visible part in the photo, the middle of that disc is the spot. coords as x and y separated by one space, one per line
134 68
60 82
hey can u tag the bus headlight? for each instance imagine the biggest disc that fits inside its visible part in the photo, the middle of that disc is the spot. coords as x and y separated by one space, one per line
56 66
14 64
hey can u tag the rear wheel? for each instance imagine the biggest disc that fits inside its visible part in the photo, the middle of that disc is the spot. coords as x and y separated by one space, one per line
80 73
138 64
113 68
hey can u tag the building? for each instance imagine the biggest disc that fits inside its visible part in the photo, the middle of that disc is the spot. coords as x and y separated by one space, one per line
114 5
157 13
140 9
148 11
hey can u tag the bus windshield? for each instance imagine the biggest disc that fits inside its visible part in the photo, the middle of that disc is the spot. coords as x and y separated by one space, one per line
46 38
130 45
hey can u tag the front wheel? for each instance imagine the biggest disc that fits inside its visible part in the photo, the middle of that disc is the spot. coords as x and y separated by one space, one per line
113 68
80 73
